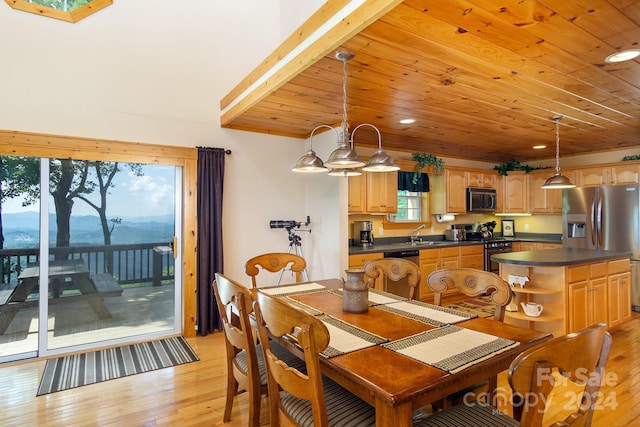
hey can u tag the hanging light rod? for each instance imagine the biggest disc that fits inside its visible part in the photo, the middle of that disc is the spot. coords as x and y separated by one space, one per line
557 180
344 160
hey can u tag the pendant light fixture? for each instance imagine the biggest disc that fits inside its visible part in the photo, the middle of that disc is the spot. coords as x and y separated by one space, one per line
310 162
557 180
344 161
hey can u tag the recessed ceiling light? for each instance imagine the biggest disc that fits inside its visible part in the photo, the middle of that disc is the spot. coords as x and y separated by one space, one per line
407 121
623 55
539 147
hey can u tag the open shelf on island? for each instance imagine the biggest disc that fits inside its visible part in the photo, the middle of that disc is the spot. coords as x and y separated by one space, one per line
542 318
533 290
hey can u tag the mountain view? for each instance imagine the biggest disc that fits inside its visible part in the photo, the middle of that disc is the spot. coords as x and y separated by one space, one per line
21 230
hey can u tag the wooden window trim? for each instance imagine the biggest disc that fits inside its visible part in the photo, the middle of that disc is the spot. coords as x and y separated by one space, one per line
73 16
14 143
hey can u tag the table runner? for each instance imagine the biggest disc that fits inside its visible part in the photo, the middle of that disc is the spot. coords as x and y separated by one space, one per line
451 348
377 297
294 289
345 338
427 313
311 310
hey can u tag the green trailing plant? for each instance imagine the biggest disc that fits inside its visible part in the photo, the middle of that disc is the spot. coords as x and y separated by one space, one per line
424 160
512 165
634 157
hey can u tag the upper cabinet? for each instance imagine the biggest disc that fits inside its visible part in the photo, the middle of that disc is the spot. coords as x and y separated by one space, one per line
482 179
373 193
543 201
448 193
382 192
515 193
619 174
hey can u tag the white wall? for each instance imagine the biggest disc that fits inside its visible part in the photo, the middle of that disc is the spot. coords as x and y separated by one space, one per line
154 71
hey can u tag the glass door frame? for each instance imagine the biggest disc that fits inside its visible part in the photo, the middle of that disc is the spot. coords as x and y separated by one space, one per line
43 306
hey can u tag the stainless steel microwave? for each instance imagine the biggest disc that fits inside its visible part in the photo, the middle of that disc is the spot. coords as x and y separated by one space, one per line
481 200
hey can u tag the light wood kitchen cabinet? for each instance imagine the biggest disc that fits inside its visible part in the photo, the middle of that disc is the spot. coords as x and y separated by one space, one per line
515 193
573 296
382 192
481 179
587 295
357 194
357 262
619 174
472 256
535 246
619 292
436 259
448 192
543 201
373 193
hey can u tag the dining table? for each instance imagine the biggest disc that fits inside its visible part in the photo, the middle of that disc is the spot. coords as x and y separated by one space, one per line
401 355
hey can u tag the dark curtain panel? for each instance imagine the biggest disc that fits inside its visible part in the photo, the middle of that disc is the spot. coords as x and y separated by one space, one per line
210 180
405 182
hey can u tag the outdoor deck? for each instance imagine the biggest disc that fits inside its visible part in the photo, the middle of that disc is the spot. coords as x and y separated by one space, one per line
140 310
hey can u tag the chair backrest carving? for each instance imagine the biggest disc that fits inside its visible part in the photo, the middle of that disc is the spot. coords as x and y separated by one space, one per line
394 269
471 282
274 262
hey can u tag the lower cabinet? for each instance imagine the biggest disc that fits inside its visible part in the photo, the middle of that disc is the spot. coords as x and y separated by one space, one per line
472 256
358 262
587 303
619 294
436 259
573 297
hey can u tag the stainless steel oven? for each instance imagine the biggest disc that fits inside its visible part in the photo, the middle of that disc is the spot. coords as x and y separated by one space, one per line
493 247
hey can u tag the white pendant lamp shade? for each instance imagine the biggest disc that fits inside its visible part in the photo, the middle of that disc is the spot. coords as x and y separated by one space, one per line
557 180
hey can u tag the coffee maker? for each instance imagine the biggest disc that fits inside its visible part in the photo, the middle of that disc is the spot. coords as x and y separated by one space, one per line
363 233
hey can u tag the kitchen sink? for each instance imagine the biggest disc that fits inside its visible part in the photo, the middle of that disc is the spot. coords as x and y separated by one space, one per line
420 244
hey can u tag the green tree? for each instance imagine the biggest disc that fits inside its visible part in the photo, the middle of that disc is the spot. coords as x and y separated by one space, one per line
64 5
18 176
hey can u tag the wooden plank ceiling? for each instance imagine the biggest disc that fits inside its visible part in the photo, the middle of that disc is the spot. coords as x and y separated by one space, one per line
482 79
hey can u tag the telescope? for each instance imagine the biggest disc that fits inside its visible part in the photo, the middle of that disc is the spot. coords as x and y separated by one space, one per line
288 224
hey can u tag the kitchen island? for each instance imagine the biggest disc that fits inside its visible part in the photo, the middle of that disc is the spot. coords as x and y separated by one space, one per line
575 287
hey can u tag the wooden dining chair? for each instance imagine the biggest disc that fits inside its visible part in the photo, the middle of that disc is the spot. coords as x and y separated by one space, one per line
308 398
245 364
394 269
580 357
275 262
472 283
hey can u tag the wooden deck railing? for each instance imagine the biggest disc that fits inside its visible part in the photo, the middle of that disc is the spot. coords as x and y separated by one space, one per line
129 263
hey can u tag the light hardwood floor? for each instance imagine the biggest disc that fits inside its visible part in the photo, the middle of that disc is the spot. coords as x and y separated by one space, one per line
193 394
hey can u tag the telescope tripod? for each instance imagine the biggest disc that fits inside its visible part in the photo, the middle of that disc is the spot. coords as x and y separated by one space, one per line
295 246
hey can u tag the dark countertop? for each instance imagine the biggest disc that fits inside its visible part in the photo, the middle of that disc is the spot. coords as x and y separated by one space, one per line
558 257
400 246
393 244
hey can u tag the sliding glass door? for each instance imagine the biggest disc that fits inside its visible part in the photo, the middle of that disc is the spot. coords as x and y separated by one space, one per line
105 258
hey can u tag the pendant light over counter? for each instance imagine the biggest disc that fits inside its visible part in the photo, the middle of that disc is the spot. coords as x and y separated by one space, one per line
557 180
344 160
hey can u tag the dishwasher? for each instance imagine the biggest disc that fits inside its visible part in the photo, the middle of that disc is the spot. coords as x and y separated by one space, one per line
401 287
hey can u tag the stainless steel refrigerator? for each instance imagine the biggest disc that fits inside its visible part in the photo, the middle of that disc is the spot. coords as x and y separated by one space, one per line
605 218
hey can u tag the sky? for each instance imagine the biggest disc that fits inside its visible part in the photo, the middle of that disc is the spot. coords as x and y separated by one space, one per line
147 195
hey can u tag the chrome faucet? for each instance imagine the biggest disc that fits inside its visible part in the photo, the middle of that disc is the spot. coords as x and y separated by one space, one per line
413 236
